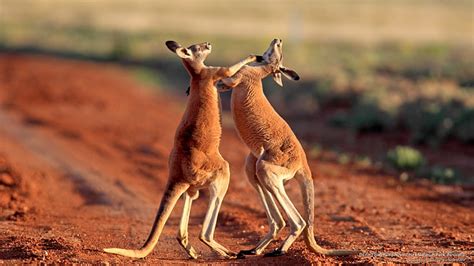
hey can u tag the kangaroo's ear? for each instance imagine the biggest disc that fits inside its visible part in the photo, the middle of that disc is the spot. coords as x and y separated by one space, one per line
289 73
172 45
177 49
183 52
277 78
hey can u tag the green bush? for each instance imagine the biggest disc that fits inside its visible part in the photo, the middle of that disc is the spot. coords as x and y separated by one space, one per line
369 117
432 122
339 119
405 158
442 175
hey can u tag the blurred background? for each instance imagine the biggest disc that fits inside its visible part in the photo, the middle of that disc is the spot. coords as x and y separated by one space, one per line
385 84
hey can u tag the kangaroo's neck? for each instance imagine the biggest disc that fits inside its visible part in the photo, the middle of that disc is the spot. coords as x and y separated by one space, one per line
263 70
203 96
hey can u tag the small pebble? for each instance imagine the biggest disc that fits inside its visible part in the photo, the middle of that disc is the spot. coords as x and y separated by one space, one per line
7 180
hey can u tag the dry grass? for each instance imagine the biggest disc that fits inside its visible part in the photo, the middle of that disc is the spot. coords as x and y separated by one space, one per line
359 21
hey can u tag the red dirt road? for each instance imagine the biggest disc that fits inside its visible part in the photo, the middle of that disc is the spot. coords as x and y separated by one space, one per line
83 164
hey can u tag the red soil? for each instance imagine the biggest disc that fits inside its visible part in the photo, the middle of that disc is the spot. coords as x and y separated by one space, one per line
83 164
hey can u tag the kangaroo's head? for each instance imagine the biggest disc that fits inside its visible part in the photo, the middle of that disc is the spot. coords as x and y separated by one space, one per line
274 57
193 57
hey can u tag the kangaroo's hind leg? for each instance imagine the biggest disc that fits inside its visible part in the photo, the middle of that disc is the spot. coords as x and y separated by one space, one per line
183 225
272 177
217 190
275 219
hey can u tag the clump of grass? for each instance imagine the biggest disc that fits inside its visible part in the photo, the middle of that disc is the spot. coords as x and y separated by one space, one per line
363 161
344 158
405 158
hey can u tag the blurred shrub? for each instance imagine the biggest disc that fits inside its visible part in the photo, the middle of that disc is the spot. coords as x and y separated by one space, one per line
363 117
432 122
339 119
363 161
369 117
149 76
405 158
464 126
121 47
315 151
344 158
441 175
427 123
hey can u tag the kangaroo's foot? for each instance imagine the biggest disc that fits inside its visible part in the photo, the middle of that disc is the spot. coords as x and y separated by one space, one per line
275 253
187 247
252 251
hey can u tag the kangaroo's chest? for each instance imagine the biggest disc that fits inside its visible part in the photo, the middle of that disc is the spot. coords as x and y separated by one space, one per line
254 119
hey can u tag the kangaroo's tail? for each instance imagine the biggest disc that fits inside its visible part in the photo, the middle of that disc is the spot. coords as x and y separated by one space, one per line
171 196
306 183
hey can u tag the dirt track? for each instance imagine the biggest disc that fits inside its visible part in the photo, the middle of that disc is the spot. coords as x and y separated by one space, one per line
85 151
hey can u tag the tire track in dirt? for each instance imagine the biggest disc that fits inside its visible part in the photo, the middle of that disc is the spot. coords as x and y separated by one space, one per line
94 187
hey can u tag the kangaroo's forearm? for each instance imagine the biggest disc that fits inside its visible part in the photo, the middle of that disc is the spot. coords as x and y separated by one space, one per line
226 72
234 68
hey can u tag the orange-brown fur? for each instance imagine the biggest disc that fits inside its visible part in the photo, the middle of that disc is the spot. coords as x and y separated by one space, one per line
259 125
276 155
195 161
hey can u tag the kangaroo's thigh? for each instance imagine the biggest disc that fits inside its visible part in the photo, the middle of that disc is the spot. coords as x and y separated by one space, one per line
250 171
